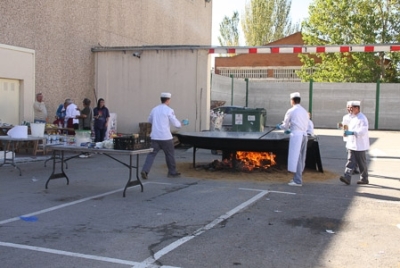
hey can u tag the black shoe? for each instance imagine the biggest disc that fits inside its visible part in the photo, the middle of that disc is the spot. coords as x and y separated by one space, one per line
356 171
144 175
177 174
362 182
345 180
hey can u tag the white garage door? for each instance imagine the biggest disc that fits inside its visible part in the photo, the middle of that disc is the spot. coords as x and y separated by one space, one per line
9 101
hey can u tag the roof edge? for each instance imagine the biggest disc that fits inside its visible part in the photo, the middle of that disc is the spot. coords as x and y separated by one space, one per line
142 48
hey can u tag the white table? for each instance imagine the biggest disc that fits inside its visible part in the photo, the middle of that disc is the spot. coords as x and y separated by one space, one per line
107 152
12 141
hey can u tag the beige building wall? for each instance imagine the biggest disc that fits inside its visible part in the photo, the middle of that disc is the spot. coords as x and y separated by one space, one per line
132 85
17 72
62 34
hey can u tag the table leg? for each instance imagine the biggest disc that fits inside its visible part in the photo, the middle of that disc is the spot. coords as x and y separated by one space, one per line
55 175
57 156
130 183
7 160
194 156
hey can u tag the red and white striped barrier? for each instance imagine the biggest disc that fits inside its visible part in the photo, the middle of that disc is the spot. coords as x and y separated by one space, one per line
304 49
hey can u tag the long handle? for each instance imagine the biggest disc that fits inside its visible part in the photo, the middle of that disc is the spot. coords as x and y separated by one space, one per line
269 131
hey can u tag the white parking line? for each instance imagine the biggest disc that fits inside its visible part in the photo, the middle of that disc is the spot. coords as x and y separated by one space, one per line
60 206
66 205
279 192
67 253
151 260
252 189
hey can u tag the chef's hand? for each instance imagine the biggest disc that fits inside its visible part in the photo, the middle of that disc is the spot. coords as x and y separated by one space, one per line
348 132
278 126
287 131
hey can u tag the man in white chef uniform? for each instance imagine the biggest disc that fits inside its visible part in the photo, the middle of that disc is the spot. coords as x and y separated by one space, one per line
160 118
296 123
357 145
344 126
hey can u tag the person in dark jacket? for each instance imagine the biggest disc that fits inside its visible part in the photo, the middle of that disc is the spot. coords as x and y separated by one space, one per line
101 116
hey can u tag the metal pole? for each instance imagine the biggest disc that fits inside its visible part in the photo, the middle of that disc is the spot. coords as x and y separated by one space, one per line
232 90
247 91
378 91
310 96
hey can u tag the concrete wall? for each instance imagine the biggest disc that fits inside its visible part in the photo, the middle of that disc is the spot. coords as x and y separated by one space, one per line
63 32
18 63
328 102
131 86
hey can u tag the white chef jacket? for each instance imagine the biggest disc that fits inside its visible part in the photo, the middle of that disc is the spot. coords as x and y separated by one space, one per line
160 118
346 121
360 140
296 119
310 128
72 112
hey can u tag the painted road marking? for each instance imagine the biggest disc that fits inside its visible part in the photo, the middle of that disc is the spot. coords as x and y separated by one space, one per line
179 242
279 192
68 253
149 262
60 206
66 205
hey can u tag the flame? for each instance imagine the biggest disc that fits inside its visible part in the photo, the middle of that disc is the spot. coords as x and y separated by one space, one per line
252 160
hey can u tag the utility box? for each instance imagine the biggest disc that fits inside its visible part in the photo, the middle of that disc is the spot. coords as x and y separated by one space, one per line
249 120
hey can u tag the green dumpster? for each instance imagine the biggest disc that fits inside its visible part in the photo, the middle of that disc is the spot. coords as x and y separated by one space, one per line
249 120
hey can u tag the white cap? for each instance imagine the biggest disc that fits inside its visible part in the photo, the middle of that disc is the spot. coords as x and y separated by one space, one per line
295 95
166 95
349 103
355 103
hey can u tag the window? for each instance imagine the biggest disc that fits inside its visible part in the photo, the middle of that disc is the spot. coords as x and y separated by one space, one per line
276 74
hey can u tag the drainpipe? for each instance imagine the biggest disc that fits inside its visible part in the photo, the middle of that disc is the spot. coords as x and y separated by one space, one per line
232 90
247 91
378 91
310 96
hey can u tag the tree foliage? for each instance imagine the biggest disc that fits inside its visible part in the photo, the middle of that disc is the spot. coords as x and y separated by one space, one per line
351 22
228 29
265 21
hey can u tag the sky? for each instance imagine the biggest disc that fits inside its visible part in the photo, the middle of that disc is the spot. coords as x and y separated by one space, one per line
222 8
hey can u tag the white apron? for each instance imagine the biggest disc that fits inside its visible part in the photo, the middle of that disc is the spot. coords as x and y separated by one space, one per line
294 150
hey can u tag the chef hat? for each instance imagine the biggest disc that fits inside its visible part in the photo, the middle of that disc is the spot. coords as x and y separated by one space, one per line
166 95
355 103
295 95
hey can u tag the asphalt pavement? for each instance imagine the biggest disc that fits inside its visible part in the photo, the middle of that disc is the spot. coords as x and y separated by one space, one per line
199 222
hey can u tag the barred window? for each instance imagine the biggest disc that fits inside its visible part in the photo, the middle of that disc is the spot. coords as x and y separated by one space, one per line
244 73
273 74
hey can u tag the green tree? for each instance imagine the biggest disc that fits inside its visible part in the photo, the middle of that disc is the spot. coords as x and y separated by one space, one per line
351 22
265 21
228 29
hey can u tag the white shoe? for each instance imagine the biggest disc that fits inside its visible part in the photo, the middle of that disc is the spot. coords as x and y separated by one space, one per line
83 156
292 183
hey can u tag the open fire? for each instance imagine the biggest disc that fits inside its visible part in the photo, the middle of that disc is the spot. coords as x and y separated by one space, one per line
246 161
